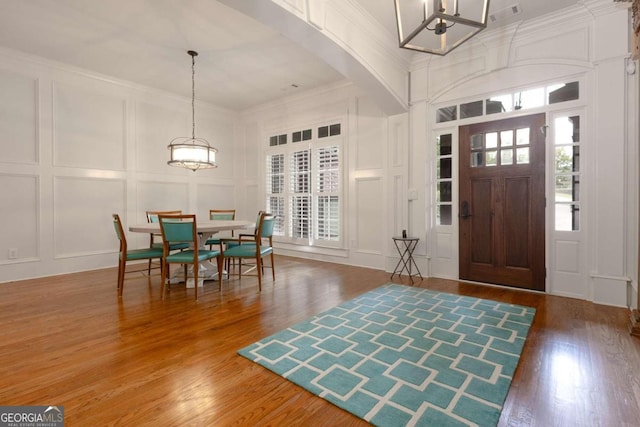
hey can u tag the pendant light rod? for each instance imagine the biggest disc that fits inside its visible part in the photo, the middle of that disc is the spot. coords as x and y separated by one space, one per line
193 54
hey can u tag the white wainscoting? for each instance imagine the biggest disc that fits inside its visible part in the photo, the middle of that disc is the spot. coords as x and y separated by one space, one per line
79 147
18 118
88 129
82 209
156 125
20 223
369 236
223 195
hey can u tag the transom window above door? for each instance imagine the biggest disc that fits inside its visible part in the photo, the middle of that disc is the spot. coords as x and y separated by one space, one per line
504 148
504 103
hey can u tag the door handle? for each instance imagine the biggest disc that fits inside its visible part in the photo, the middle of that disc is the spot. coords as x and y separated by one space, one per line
464 210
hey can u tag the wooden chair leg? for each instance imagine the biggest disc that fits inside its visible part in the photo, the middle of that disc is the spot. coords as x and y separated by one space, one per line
163 278
167 267
273 267
195 278
259 270
122 264
220 271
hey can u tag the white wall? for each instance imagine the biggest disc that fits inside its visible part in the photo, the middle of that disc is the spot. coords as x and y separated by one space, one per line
345 37
78 147
588 43
375 144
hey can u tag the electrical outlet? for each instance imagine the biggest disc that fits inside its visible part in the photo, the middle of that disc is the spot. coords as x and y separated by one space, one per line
13 253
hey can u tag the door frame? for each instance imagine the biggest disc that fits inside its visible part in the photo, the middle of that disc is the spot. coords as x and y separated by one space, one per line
497 270
567 254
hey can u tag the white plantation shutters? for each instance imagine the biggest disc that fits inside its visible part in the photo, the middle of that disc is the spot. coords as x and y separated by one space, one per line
276 190
300 180
303 186
327 194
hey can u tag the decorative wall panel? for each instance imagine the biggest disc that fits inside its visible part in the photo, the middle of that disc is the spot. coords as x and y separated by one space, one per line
398 214
370 214
315 13
89 129
574 47
221 136
254 202
211 196
444 246
155 128
296 7
370 148
19 212
82 209
397 142
252 170
18 118
567 256
446 75
162 196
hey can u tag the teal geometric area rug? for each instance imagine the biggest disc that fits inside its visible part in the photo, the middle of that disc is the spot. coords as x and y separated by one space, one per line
399 356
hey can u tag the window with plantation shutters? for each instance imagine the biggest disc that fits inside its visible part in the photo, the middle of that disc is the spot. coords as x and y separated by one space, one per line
276 190
328 193
300 180
303 186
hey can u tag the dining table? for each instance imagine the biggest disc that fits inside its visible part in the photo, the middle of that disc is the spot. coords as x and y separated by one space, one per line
206 229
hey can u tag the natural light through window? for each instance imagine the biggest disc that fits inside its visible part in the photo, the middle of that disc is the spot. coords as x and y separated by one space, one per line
304 185
507 102
567 172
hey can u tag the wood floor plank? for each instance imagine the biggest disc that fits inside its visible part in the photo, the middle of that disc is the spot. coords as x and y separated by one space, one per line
68 340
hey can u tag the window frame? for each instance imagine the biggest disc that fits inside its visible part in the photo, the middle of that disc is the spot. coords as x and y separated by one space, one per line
579 203
314 144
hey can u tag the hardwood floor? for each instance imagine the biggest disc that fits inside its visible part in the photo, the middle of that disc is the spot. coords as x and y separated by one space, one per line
68 340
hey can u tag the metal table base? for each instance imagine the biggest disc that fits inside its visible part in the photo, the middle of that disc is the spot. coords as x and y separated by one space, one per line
405 247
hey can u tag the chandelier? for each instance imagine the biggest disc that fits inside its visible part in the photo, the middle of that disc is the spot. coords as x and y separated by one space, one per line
439 26
192 153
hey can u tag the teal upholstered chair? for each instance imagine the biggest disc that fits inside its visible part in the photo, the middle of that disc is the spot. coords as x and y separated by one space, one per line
127 254
220 214
152 216
183 229
244 238
247 239
257 246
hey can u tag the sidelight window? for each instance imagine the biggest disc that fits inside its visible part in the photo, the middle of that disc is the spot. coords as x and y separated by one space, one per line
444 180
567 172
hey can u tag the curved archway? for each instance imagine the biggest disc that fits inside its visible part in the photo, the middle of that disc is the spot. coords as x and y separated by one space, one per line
386 82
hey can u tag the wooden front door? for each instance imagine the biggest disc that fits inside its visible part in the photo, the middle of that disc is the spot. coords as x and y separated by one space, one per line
502 202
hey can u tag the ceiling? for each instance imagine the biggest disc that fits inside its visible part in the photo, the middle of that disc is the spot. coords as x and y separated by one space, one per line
241 62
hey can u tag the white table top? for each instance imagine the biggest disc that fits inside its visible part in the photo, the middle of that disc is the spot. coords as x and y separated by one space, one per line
203 226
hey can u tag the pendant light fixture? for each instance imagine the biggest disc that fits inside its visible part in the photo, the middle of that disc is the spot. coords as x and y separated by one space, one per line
192 153
439 26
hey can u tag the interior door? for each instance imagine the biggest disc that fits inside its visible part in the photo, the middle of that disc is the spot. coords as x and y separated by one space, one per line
502 202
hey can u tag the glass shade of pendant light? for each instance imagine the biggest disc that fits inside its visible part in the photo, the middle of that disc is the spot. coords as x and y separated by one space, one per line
439 26
191 152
